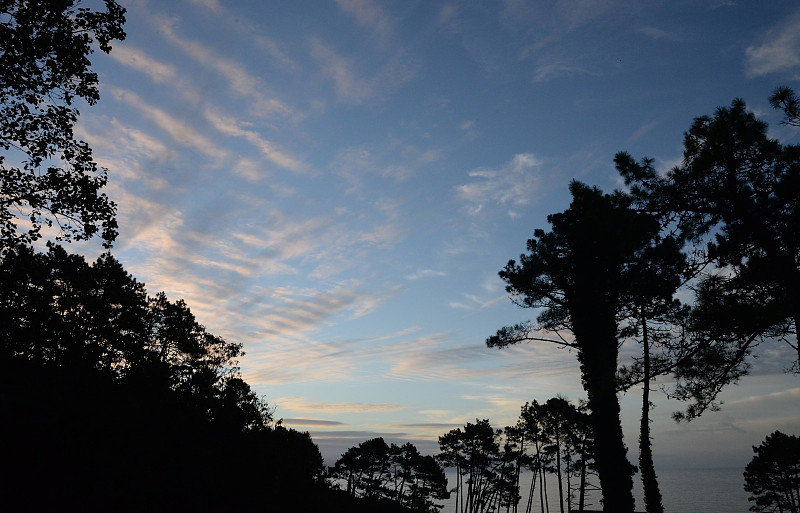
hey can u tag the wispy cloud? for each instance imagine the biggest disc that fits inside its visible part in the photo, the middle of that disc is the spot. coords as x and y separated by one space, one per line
561 15
645 129
180 131
435 425
437 357
150 226
241 81
295 311
329 242
778 51
249 169
311 422
790 395
424 274
158 72
659 33
469 127
349 86
392 160
272 48
275 50
511 186
300 357
129 153
304 404
476 303
367 14
229 125
212 5
558 69
353 87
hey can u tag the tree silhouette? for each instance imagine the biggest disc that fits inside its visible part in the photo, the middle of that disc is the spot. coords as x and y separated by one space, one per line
554 437
114 400
382 473
560 434
47 176
580 274
786 99
482 477
657 320
736 199
773 475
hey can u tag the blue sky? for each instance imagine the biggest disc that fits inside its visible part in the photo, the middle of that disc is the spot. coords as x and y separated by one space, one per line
335 184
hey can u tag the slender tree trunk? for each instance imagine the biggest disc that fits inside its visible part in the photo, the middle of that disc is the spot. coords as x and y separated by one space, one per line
531 492
470 490
461 483
569 480
541 478
789 492
519 468
544 490
458 487
797 334
582 493
652 494
558 471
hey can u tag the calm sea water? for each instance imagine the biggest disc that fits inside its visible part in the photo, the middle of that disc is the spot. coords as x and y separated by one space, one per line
718 490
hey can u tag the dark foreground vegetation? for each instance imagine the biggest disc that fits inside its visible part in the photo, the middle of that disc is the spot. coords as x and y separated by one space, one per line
773 475
116 400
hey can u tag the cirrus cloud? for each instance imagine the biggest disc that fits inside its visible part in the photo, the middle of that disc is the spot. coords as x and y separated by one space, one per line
512 186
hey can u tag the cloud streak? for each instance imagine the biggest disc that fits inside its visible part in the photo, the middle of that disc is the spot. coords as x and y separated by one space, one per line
393 72
304 404
158 72
311 423
180 131
229 125
243 83
367 14
512 186
778 51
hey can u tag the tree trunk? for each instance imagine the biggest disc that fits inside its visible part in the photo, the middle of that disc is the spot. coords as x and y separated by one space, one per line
542 490
569 480
558 471
459 487
582 492
596 334
797 335
519 467
652 495
531 492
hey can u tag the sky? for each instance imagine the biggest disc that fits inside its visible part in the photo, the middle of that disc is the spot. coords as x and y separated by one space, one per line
336 184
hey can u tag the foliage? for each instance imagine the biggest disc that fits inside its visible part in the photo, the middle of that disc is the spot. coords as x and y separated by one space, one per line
67 313
735 199
47 176
786 99
560 434
376 471
588 278
550 438
773 475
474 451
115 400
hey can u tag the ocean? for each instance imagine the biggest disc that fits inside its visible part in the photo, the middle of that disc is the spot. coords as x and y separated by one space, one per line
719 490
